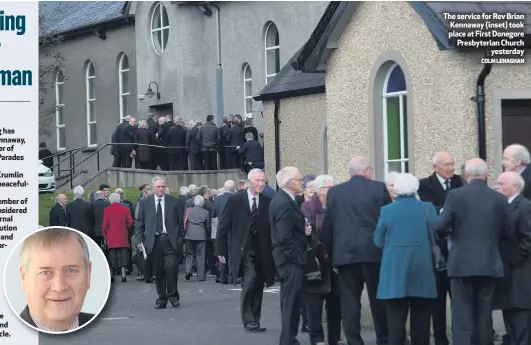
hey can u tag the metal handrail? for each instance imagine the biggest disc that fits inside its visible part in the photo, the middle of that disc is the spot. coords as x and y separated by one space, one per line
69 156
62 152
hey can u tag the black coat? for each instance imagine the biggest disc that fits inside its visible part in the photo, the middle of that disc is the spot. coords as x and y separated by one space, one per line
125 134
162 132
45 156
526 174
287 231
79 216
351 216
144 153
252 151
513 291
176 138
58 216
192 145
235 137
477 218
235 225
98 207
252 129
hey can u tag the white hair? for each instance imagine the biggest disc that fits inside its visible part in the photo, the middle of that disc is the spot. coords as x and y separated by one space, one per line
120 192
391 177
254 172
78 192
475 169
249 136
193 189
406 184
183 190
320 181
198 200
521 153
357 165
142 124
99 195
60 197
157 178
221 191
229 186
114 198
285 175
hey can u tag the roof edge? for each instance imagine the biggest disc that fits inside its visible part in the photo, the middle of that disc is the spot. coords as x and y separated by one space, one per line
436 27
87 28
289 94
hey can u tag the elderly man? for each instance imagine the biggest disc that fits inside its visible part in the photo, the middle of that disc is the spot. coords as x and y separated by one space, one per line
253 153
477 218
351 216
55 248
194 147
58 211
516 158
217 212
79 213
126 139
289 231
434 189
208 137
97 208
513 293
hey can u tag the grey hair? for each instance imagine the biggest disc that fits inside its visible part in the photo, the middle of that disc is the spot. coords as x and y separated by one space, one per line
120 192
214 192
114 198
60 197
78 192
285 175
521 153
192 123
193 189
358 164
178 120
99 195
229 186
168 117
221 191
183 190
157 178
254 172
142 124
249 136
475 169
198 200
406 184
391 176
50 237
320 181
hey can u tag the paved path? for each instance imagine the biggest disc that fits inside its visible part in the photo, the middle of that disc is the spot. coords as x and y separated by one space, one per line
209 315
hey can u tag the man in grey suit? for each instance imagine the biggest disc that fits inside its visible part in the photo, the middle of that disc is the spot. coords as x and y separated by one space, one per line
160 228
478 218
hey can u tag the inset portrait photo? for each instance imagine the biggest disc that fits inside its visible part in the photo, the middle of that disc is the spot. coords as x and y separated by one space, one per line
57 280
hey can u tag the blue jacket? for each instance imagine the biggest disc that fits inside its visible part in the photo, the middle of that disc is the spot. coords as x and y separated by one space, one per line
407 265
269 192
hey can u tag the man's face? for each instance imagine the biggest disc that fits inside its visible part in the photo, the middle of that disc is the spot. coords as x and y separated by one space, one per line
296 183
509 164
445 167
257 182
132 122
55 281
63 201
105 192
505 187
160 188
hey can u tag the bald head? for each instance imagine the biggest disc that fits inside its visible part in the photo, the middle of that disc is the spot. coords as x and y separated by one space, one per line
360 165
510 183
476 169
444 164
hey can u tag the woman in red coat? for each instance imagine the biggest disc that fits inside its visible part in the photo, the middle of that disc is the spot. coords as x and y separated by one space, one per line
117 221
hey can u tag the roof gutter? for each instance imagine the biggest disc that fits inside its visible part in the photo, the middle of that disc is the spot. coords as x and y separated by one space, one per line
480 101
92 27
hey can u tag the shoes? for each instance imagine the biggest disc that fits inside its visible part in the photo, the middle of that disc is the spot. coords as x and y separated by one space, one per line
175 304
253 327
188 276
160 306
124 279
140 278
304 329
218 281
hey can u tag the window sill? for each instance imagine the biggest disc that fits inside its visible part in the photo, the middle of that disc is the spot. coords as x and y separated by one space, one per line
90 149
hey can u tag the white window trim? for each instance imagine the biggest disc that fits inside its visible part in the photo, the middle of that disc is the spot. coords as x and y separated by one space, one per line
89 100
162 45
121 86
277 47
57 106
401 105
245 97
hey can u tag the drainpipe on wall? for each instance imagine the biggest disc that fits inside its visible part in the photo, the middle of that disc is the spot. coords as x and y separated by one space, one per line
219 72
276 121
480 101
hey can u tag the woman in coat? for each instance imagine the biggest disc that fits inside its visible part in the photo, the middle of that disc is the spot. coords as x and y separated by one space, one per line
407 274
327 289
143 152
117 221
197 228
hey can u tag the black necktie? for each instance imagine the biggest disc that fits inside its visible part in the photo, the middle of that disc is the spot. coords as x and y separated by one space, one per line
447 185
254 215
159 227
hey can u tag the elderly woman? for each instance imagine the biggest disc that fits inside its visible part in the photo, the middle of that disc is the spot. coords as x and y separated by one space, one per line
143 152
327 289
117 221
407 273
390 184
197 228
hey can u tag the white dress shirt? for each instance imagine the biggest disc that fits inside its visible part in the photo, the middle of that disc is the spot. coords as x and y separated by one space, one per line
250 197
289 193
162 206
42 326
442 182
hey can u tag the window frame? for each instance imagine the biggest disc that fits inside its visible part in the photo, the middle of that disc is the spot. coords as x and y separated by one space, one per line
161 28
59 105
266 49
121 85
90 102
245 97
402 116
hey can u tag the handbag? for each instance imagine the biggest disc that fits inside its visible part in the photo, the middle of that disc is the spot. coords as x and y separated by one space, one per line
313 268
439 262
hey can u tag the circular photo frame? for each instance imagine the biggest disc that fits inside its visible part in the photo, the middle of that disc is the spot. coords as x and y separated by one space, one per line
57 280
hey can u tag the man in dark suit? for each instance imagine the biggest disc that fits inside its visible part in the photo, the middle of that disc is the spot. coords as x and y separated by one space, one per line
289 231
177 157
477 218
58 211
245 223
160 228
235 137
249 128
79 213
97 207
434 189
253 153
351 216
194 147
516 158
222 149
513 293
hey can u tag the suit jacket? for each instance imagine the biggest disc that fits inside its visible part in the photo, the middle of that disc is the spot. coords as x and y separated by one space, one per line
176 138
526 174
288 236
513 290
253 151
98 207
145 225
58 216
477 217
235 226
235 137
351 216
79 216
83 317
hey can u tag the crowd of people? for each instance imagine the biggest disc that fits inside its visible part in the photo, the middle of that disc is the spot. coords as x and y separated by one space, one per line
411 243
169 144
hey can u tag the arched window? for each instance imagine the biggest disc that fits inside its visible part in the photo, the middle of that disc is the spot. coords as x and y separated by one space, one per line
90 85
395 121
160 28
123 82
59 110
272 51
247 91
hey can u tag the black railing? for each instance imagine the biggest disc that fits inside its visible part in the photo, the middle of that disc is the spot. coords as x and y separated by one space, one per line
70 157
